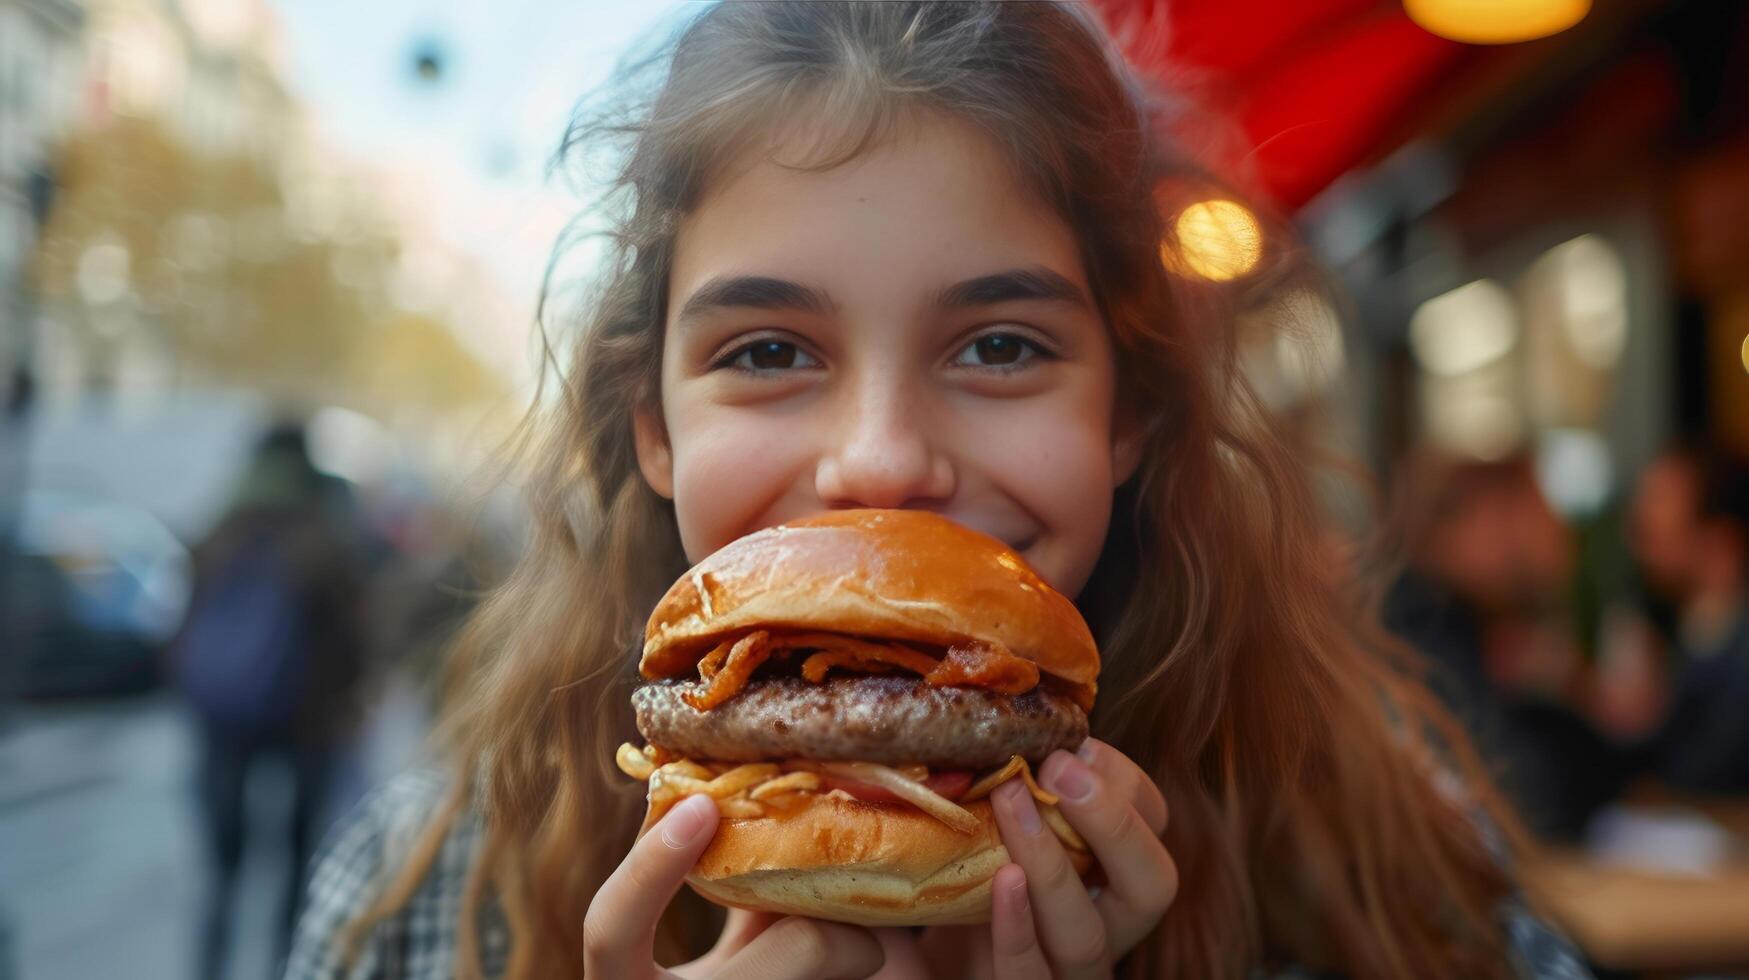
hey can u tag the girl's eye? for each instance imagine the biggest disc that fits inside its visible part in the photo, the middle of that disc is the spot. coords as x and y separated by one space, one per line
998 350
769 355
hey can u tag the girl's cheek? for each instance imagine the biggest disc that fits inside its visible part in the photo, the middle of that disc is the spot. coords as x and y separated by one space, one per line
1055 453
730 474
1058 464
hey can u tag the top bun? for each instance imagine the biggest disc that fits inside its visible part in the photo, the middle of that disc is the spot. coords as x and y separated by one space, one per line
903 575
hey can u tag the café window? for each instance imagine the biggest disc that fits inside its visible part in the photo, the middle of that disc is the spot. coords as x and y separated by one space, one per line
1530 359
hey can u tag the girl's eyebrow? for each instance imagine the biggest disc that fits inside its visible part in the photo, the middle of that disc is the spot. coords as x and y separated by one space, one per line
1036 283
754 292
771 293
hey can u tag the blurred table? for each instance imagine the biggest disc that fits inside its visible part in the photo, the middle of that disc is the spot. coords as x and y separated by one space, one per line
1628 919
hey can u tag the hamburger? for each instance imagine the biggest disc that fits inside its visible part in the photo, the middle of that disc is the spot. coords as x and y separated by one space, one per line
850 688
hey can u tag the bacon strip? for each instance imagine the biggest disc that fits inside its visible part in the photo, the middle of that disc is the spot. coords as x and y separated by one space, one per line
710 663
977 664
729 665
744 657
815 667
866 651
984 665
847 651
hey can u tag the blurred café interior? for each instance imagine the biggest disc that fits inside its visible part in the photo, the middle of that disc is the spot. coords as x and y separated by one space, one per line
239 262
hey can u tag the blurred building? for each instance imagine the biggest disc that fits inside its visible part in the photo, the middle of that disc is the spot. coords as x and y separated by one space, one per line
208 68
1542 243
1546 256
186 254
207 237
41 59
167 88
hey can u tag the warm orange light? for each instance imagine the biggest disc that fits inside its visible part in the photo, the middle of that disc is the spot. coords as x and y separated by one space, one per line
1745 353
1216 240
1496 21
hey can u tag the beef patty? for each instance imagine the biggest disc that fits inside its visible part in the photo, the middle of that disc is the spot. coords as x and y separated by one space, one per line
891 720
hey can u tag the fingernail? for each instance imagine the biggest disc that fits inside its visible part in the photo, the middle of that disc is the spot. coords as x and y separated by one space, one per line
1087 751
1071 779
1021 808
686 821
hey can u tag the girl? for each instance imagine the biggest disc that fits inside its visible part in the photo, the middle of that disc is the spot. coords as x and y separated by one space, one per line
908 255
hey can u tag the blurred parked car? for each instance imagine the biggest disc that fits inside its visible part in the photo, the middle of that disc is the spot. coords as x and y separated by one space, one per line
93 589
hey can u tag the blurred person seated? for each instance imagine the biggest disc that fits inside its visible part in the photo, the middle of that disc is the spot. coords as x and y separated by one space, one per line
1485 599
1689 532
270 659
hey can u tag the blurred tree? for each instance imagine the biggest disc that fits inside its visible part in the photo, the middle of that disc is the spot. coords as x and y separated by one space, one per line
415 361
199 254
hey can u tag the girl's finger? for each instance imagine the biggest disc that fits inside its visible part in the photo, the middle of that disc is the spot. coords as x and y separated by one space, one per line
1015 952
619 930
1141 879
904 959
957 951
795 948
1118 771
1069 926
738 930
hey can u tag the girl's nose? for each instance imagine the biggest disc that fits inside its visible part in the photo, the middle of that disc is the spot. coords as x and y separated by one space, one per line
883 456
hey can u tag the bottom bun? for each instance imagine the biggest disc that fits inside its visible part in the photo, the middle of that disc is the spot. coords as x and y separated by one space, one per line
870 864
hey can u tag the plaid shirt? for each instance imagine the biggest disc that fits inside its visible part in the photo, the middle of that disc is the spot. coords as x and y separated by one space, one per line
419 941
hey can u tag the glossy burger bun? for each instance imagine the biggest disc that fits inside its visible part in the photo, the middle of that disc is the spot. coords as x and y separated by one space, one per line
902 575
864 863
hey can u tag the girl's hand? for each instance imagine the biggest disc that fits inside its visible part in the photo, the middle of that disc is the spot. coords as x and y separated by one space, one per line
898 946
1045 923
620 930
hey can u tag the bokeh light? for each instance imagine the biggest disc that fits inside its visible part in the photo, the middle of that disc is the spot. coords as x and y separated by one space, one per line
1496 21
1215 240
1591 288
1468 328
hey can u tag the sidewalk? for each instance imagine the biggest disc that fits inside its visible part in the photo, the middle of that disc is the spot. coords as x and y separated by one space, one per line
102 867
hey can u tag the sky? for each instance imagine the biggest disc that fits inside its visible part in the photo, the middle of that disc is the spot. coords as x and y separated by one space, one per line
477 140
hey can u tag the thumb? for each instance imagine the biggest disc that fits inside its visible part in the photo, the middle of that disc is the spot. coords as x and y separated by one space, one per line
619 931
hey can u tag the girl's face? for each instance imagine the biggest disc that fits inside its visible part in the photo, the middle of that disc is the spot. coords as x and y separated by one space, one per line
911 329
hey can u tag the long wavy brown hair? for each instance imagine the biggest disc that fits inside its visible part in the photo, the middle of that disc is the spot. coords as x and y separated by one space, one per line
1315 819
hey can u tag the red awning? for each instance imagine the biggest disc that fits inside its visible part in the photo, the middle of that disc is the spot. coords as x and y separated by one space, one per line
1314 85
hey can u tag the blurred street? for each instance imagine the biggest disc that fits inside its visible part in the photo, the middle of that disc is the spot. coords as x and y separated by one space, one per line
98 833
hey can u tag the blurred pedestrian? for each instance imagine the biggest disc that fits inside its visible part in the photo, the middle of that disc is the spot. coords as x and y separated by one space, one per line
1689 529
270 660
